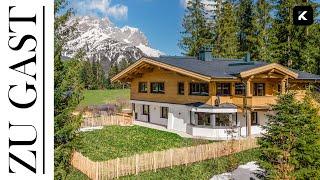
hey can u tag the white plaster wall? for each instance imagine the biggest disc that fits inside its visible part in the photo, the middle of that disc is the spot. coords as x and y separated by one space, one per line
255 130
155 116
178 116
181 117
262 118
217 133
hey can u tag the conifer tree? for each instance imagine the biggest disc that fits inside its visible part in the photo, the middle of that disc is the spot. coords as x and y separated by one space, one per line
226 43
196 33
86 74
288 40
67 94
311 52
291 145
245 20
261 22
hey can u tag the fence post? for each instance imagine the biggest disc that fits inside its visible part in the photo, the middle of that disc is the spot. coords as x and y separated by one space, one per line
118 168
137 164
187 156
171 154
97 170
154 162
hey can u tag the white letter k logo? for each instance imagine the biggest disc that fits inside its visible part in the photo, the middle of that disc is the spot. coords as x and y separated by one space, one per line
301 16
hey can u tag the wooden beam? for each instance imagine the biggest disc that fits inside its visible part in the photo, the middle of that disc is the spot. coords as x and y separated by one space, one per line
249 123
248 88
267 68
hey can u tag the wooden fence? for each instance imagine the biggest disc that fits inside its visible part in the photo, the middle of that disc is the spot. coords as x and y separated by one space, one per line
107 120
159 159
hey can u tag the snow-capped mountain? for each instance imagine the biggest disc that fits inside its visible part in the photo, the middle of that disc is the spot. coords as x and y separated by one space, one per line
103 41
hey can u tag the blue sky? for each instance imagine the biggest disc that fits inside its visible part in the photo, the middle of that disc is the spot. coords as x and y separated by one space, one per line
159 20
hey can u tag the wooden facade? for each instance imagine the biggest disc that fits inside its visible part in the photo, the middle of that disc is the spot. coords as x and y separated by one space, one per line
273 86
276 79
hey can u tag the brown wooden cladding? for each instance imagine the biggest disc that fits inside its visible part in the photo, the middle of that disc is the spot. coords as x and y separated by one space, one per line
171 80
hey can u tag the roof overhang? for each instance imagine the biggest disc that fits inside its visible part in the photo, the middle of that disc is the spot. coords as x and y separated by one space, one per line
268 68
148 61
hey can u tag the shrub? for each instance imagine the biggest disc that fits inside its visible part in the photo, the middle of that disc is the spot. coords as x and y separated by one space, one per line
291 145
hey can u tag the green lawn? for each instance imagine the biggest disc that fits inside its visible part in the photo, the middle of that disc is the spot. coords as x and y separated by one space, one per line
201 170
121 141
94 97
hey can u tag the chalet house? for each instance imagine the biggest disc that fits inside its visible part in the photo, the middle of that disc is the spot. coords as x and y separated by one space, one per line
208 97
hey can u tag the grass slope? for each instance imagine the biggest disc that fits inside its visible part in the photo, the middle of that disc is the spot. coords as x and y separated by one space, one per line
198 171
121 141
94 97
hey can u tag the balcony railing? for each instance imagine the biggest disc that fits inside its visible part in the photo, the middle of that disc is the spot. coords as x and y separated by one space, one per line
254 100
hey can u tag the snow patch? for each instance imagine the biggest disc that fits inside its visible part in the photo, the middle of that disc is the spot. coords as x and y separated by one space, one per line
243 172
90 128
149 51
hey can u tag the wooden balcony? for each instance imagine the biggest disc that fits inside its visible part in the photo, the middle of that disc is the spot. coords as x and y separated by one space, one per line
253 101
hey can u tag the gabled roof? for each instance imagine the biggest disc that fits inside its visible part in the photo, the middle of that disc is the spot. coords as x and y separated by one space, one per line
268 68
217 68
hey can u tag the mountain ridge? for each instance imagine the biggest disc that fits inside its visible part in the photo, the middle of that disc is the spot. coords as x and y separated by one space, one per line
102 41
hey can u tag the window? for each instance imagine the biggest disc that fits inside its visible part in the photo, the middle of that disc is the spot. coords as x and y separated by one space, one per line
143 87
145 109
203 119
259 89
181 88
254 118
157 87
164 112
199 89
279 88
223 89
223 120
240 89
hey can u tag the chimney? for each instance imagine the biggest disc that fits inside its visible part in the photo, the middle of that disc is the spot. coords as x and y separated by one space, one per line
205 54
247 57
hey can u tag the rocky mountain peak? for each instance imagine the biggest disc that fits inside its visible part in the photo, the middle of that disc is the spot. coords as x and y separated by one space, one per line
103 41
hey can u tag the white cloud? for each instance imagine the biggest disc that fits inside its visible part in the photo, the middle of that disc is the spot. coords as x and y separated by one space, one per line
184 3
208 4
118 11
100 7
